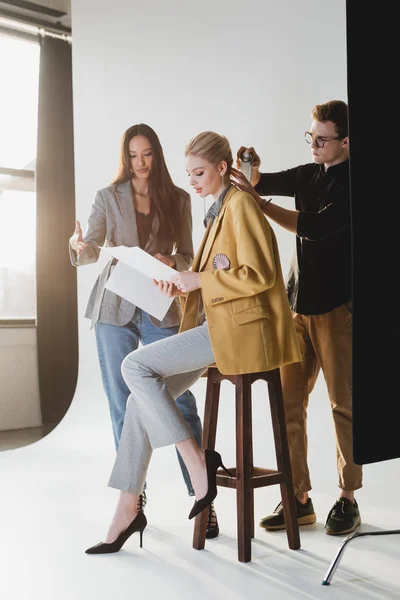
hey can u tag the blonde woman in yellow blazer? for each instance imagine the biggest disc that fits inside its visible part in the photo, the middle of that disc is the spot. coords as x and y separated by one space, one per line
236 313
245 304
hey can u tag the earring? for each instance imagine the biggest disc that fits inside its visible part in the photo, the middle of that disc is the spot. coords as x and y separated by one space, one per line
222 182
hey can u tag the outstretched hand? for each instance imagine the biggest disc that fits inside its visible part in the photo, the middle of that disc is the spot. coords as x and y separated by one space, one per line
76 240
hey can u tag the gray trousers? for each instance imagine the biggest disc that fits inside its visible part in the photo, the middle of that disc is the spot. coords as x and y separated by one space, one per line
156 375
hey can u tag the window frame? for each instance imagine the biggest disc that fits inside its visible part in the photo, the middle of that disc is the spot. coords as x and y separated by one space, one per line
21 322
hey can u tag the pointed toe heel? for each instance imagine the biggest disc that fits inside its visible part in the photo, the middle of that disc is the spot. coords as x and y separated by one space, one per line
213 461
139 523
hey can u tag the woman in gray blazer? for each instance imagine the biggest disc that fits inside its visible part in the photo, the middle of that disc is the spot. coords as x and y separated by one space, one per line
142 207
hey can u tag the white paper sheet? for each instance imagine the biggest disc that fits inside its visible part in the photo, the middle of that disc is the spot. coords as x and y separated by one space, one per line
132 279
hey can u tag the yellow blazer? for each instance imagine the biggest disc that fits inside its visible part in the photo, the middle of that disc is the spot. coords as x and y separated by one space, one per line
246 306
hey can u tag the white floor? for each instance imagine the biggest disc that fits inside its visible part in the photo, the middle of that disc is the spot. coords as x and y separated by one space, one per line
55 503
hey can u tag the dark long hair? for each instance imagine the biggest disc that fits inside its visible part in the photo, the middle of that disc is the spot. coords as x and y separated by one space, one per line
165 196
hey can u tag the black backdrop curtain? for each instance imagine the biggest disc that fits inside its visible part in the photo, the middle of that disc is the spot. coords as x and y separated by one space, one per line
57 336
374 174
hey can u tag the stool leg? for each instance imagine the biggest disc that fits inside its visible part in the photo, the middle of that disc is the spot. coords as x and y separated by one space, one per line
208 441
283 461
244 485
250 441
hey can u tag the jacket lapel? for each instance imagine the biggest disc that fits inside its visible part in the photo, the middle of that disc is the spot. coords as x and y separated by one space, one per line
192 299
125 202
209 240
199 253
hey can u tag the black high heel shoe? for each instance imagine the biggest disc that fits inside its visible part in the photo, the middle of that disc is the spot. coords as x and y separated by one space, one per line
213 461
138 524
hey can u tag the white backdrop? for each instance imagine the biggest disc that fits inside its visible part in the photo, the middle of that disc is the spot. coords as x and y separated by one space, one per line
252 74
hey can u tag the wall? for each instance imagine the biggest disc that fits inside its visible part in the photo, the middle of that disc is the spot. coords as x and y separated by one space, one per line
19 394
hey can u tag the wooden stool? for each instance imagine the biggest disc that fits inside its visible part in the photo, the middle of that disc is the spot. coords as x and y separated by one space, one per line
246 477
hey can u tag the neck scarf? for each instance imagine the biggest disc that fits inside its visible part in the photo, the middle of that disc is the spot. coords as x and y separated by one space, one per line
215 207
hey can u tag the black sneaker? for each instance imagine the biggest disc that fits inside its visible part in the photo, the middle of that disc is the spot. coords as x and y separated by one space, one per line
142 501
343 517
212 530
305 516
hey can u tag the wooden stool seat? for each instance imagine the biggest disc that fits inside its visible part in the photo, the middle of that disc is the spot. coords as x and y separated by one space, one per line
205 374
247 477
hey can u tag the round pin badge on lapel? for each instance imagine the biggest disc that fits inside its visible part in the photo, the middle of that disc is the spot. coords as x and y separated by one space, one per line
221 261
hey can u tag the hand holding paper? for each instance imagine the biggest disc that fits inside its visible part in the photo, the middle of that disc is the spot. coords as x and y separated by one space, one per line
167 260
132 279
186 281
168 289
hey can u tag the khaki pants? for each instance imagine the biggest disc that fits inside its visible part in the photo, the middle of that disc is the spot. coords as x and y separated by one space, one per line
326 343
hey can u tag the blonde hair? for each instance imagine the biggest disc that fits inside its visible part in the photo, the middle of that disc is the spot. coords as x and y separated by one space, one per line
211 146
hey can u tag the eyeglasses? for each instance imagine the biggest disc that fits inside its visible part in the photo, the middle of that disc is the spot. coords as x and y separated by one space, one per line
319 141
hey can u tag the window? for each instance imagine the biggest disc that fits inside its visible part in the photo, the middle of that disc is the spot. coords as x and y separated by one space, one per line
19 59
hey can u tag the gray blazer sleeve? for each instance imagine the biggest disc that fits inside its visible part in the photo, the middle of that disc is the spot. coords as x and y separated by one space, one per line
95 234
184 251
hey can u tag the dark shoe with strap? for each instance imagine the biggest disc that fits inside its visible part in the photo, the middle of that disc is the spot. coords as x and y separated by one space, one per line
305 516
212 530
142 501
213 461
343 517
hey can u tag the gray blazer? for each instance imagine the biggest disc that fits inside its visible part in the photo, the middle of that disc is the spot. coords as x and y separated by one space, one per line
112 222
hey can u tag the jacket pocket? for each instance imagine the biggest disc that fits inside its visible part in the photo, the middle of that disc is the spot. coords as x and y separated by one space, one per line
250 314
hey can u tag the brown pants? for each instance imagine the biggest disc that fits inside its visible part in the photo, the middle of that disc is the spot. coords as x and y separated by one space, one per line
326 343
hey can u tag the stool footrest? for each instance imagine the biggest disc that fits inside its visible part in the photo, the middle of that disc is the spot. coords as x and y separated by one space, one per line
259 477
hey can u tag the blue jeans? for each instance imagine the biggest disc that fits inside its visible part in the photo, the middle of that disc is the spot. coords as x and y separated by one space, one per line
114 343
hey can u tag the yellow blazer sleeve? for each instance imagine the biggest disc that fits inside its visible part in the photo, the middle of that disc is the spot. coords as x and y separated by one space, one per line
250 233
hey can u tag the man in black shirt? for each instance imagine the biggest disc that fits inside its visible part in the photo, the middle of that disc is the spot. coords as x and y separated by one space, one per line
319 291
